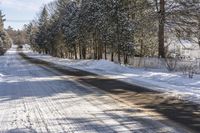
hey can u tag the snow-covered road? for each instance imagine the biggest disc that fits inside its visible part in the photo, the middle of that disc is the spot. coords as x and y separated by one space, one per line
33 99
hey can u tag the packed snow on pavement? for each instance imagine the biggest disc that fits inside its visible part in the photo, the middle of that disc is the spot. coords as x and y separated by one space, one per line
175 83
33 99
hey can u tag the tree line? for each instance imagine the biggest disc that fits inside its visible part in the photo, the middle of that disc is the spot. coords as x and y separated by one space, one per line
5 41
18 37
96 29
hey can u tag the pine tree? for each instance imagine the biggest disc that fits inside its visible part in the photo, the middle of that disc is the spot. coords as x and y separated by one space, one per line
5 41
42 36
126 28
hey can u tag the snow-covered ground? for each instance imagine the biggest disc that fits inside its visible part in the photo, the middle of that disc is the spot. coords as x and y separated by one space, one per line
35 100
175 84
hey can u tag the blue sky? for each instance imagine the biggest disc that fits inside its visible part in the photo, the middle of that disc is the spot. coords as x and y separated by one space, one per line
20 12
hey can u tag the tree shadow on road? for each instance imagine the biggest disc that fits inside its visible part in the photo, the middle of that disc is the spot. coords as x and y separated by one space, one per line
183 112
103 123
21 130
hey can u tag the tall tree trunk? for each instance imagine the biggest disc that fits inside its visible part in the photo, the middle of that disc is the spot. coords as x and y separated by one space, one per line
105 51
84 52
119 53
75 52
118 43
80 49
94 46
100 51
199 30
46 51
112 53
118 35
161 51
141 48
125 58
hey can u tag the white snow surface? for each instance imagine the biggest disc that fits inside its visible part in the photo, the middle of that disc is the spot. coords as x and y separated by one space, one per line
35 100
174 83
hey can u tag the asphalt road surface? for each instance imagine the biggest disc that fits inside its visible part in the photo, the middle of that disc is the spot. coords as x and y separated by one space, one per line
39 99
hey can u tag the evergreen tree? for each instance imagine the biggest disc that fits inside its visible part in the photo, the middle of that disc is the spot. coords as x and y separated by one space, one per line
123 28
42 34
5 41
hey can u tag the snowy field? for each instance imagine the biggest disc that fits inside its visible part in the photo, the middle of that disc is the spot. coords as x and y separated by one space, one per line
33 99
175 84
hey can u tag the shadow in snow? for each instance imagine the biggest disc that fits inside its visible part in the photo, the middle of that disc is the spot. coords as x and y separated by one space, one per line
183 112
186 113
129 123
21 131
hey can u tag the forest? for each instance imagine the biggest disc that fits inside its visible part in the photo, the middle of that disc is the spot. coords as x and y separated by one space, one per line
102 29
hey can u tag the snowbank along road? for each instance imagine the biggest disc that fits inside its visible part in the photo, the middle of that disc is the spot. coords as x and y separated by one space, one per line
181 111
33 99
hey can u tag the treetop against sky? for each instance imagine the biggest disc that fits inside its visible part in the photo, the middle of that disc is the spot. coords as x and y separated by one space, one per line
20 12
